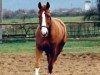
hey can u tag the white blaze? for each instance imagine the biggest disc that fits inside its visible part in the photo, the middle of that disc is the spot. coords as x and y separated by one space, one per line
37 71
44 30
43 19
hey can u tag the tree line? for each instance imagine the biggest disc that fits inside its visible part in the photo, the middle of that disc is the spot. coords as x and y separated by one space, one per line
93 14
22 13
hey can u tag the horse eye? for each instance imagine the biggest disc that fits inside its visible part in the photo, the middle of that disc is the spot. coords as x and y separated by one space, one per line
47 16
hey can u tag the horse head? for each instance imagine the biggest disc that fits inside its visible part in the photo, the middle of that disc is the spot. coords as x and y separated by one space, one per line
44 15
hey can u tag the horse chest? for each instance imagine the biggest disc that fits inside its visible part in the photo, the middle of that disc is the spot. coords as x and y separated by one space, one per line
44 44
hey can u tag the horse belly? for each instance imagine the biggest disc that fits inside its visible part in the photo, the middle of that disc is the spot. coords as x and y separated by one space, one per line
58 36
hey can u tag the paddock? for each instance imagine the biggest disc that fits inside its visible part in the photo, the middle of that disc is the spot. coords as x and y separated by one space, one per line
77 58
67 64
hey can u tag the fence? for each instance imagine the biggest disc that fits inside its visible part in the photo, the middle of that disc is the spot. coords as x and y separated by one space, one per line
83 29
26 31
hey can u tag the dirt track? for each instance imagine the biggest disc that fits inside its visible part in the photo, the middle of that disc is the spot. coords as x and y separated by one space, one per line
67 64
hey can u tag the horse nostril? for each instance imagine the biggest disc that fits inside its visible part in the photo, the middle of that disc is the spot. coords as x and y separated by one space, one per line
45 35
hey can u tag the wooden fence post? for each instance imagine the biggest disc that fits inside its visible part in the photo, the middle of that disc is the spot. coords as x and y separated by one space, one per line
79 30
0 21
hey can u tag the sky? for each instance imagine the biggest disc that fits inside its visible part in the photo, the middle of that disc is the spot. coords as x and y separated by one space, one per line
33 4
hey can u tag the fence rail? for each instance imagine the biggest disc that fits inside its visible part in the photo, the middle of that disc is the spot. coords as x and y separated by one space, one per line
26 31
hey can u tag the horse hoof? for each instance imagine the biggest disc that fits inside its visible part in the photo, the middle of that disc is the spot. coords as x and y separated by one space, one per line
50 74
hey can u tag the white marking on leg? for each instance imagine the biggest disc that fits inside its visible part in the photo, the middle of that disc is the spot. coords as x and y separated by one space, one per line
44 30
37 71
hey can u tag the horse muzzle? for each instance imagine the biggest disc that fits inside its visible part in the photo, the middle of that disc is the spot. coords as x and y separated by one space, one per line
44 31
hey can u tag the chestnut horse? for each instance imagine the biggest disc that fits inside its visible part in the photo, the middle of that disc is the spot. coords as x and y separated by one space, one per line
50 37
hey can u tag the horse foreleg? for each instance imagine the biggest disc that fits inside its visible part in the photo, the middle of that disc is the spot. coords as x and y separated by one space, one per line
37 71
51 61
53 56
50 66
37 62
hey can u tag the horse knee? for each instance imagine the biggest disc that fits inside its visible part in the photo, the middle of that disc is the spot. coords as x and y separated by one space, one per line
37 67
37 64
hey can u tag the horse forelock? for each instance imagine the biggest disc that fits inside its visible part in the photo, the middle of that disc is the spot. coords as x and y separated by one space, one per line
43 7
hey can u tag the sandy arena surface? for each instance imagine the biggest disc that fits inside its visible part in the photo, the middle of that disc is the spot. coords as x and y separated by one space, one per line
67 64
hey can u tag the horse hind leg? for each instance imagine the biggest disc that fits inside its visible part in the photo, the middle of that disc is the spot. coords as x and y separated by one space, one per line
59 49
50 63
37 62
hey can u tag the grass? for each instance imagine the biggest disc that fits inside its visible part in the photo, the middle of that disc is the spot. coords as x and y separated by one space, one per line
18 47
29 47
32 20
68 19
70 47
82 46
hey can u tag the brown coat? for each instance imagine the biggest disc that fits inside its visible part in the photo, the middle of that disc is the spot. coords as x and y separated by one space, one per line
57 35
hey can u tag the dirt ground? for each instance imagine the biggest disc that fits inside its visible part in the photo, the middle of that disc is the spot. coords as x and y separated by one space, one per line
67 64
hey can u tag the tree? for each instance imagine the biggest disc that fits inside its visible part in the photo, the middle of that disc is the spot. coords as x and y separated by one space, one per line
89 14
8 14
93 14
98 7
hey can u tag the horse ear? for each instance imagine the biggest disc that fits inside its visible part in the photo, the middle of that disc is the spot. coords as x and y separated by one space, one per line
48 5
39 5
